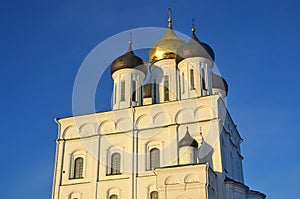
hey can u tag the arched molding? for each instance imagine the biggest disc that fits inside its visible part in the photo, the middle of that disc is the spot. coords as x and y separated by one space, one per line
78 152
123 124
87 129
114 191
151 187
183 115
70 132
191 178
171 180
144 121
154 144
161 118
203 113
75 195
106 126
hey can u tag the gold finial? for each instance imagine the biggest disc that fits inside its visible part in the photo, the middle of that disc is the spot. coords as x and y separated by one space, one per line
170 18
193 25
130 43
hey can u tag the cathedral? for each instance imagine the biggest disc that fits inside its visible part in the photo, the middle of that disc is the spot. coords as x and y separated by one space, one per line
169 135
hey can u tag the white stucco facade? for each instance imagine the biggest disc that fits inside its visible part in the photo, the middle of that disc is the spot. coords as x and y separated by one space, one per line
216 172
182 147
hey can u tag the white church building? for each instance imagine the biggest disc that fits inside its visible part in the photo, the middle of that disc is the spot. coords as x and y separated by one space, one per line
169 138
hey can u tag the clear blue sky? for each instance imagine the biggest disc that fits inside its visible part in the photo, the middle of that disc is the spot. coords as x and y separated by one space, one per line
43 44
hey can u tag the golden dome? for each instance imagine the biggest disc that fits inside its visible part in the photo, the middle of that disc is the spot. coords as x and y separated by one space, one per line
166 47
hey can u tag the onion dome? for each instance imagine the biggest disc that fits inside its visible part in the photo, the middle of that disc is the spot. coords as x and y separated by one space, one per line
195 48
219 83
165 48
188 140
128 60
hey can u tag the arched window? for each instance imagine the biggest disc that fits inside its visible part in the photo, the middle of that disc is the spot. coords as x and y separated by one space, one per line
114 196
154 100
115 94
154 158
154 195
115 163
192 79
204 86
166 88
78 168
183 86
134 91
122 90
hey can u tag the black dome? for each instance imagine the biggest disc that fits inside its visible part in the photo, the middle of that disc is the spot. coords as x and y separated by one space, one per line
188 140
195 48
219 82
128 60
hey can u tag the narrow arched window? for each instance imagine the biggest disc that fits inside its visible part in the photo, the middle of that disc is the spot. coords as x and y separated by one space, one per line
122 90
115 163
204 86
115 94
154 195
133 96
166 88
154 158
192 79
141 96
78 168
183 86
114 196
154 100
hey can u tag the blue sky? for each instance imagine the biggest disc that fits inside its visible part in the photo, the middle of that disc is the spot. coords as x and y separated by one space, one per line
43 44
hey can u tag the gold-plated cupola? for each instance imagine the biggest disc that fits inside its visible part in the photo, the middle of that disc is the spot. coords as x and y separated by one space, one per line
166 47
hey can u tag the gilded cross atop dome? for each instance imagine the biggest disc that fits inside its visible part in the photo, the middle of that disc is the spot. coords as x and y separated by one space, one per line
130 42
129 60
170 18
195 48
193 25
166 47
